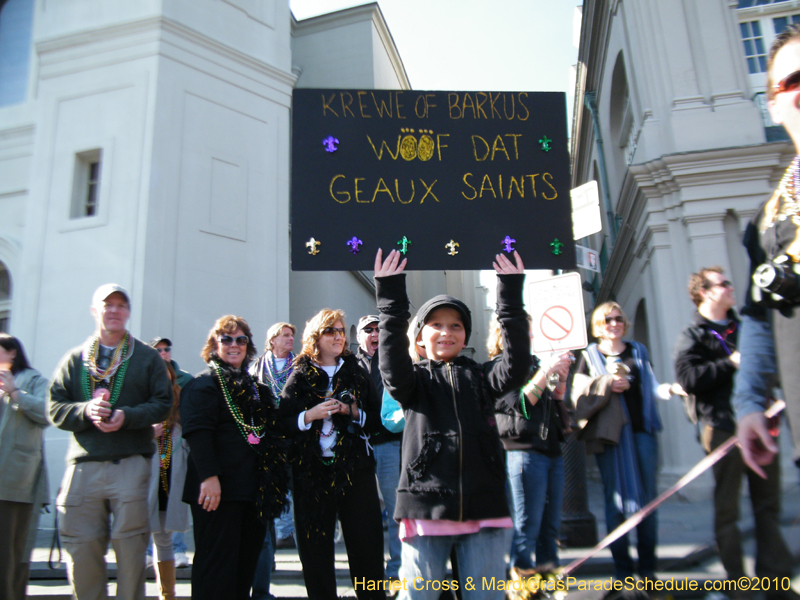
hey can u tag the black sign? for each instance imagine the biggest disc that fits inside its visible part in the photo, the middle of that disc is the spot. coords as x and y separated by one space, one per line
449 178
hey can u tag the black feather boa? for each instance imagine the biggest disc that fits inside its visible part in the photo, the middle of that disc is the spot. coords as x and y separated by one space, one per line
326 478
257 405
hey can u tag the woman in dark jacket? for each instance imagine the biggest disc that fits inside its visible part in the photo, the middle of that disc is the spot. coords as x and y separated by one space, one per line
235 480
532 423
332 404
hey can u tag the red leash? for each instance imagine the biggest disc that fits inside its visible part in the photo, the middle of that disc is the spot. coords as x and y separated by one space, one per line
644 512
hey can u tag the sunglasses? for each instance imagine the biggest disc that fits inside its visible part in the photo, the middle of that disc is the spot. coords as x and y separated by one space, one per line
725 284
164 350
227 340
369 330
333 331
619 320
788 84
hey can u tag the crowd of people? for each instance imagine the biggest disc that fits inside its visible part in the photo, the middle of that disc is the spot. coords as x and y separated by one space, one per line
478 450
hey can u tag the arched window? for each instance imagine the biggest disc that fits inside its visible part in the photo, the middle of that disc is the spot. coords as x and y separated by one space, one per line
620 117
639 332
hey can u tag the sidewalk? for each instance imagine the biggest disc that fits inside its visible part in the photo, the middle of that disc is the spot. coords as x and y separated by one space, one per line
686 549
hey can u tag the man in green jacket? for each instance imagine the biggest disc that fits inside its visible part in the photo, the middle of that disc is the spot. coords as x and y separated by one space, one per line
108 392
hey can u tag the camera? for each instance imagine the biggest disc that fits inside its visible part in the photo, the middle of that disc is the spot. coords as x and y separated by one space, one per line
345 397
777 282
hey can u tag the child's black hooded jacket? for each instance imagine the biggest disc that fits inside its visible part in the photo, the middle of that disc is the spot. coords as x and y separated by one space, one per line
452 464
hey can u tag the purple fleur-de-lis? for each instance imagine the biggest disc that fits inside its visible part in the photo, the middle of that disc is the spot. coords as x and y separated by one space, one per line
507 242
354 245
330 144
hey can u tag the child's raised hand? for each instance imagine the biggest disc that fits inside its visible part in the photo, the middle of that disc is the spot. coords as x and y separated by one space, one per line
390 266
504 266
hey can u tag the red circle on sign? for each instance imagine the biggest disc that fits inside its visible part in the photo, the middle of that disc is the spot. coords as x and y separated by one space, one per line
556 323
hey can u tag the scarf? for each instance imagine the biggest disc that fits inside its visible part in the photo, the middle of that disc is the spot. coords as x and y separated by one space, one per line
629 494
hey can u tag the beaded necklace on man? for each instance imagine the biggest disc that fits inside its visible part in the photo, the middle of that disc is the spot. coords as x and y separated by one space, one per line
789 188
113 375
252 432
276 378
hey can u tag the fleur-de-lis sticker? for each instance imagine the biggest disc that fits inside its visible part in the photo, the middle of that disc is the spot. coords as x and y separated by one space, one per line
330 143
354 244
451 247
404 244
557 246
313 246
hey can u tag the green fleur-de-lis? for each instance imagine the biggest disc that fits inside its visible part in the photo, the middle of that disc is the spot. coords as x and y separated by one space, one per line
558 247
545 142
404 244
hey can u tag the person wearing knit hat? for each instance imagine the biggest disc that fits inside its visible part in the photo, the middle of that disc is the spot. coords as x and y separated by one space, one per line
451 494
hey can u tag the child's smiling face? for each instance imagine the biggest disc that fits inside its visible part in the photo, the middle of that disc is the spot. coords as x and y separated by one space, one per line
443 334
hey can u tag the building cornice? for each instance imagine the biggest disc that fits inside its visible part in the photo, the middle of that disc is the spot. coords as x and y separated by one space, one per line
669 174
16 141
761 10
672 172
134 40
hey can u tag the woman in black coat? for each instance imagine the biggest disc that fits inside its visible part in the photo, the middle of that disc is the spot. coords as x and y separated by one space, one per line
332 405
235 481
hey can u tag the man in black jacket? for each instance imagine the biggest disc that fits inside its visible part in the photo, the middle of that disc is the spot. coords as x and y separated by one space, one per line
385 443
706 360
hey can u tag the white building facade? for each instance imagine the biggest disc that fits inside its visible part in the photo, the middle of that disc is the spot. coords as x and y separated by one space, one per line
670 120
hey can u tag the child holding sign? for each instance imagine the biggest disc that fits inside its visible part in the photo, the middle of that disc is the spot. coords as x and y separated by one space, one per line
452 482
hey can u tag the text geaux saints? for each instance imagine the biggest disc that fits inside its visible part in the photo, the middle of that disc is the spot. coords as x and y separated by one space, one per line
425 145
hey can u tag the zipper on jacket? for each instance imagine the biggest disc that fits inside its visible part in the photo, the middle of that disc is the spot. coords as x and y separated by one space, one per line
460 445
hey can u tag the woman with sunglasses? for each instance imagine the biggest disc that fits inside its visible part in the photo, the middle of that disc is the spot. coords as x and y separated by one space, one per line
236 477
333 406
616 393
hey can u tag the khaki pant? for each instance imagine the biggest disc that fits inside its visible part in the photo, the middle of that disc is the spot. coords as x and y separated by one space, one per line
101 501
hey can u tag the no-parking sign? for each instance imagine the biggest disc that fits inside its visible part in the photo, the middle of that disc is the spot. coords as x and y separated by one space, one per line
556 308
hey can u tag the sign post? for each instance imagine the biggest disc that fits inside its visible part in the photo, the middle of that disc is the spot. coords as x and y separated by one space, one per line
557 317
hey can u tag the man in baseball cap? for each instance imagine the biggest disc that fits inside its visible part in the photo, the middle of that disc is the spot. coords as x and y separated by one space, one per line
108 392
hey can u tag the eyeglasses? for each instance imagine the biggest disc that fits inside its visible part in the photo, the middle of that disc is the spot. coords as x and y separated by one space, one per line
788 84
333 331
227 340
610 320
164 350
725 284
369 330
